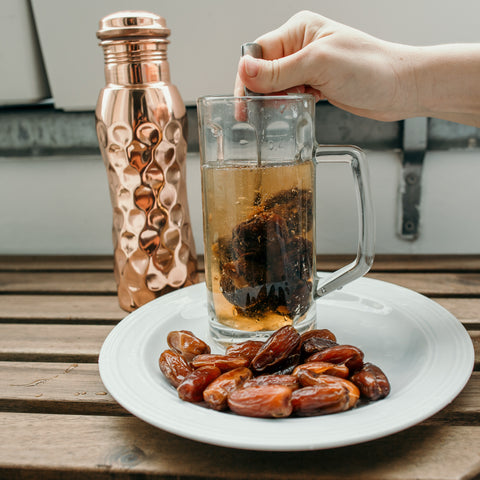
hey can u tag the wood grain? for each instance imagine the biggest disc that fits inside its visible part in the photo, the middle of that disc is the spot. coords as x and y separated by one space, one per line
77 388
125 447
467 310
434 284
430 284
54 388
61 308
56 262
105 309
58 421
382 262
56 282
53 343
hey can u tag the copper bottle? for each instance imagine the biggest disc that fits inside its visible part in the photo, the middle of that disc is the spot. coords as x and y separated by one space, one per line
141 126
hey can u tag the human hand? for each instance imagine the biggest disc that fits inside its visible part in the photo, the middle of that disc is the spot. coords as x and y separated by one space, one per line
351 69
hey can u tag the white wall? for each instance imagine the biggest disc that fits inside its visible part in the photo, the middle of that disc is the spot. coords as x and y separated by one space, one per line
207 34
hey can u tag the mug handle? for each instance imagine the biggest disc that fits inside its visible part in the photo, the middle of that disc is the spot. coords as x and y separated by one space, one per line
366 225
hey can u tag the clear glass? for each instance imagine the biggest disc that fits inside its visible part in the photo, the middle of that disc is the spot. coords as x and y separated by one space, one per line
259 157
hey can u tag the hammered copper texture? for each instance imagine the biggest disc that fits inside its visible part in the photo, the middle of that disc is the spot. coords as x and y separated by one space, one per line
141 130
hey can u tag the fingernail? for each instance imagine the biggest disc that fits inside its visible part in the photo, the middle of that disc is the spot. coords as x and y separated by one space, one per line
251 66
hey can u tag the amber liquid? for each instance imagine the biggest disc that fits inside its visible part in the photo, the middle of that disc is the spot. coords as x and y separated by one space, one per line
259 236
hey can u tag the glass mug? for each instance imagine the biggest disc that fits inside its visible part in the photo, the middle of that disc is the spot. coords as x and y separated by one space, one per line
258 164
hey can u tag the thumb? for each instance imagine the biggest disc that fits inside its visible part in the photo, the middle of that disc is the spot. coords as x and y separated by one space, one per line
267 76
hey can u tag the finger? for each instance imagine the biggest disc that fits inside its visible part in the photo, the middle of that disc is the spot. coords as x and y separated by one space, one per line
266 76
292 36
239 88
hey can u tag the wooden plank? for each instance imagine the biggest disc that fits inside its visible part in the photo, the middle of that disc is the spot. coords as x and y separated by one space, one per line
61 308
105 309
53 343
78 343
435 284
77 388
407 263
54 388
56 262
467 310
431 284
127 448
55 282
383 262
100 283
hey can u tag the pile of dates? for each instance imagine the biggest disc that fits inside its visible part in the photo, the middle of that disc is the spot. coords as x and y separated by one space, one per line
288 374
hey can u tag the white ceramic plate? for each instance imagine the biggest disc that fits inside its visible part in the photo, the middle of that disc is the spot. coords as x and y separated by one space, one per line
424 350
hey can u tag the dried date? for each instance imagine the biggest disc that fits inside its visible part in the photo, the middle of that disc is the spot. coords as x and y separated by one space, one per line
191 389
246 349
316 340
290 381
349 355
266 379
174 367
314 369
223 362
276 349
187 344
372 382
352 391
320 400
265 401
216 394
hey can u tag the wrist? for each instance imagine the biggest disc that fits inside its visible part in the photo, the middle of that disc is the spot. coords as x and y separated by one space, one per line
447 81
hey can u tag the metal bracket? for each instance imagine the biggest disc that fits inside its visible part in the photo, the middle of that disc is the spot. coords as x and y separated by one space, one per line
415 138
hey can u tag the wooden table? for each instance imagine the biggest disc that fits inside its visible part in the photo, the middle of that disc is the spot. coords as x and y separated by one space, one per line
58 421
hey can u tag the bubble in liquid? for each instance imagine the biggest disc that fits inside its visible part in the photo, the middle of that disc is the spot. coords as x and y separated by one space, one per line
144 198
149 134
173 132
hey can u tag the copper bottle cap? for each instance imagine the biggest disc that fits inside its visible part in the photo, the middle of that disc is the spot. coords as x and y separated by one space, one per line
132 24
